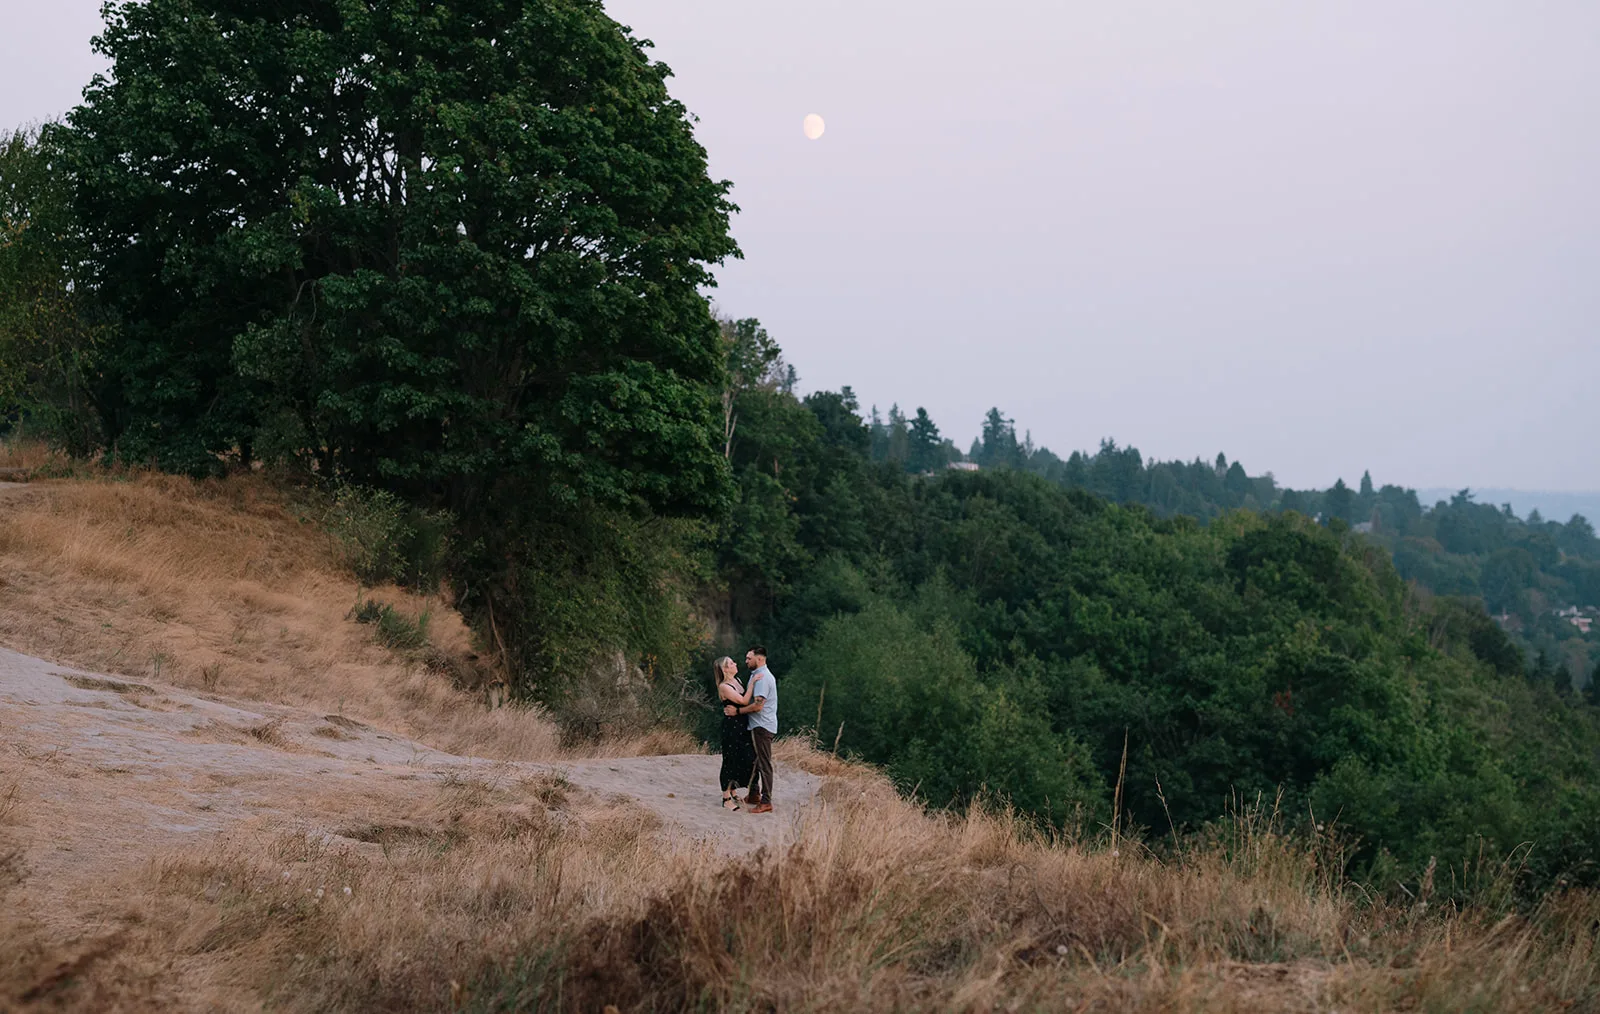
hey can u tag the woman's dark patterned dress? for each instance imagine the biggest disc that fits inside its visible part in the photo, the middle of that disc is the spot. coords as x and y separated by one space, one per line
738 753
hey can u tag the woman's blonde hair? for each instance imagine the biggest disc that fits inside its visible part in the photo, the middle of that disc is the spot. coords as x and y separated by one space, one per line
716 669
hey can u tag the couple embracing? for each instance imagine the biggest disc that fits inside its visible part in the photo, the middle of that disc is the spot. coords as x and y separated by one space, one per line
749 721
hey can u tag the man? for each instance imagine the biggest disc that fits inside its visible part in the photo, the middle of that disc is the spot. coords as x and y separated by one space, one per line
763 722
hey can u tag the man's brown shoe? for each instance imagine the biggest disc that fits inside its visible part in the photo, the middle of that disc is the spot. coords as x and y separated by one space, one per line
761 808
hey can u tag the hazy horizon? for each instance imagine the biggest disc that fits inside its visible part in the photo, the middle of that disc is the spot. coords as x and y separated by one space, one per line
1321 239
1553 505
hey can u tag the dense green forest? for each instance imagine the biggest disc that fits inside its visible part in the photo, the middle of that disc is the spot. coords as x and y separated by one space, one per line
1540 578
463 259
995 631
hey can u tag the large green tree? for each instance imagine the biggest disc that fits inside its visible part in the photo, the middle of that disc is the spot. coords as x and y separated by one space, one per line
457 249
49 330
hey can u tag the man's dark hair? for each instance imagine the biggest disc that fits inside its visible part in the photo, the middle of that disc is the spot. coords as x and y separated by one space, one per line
759 649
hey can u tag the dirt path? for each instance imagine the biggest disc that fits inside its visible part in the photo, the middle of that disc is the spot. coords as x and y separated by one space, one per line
114 771
10 489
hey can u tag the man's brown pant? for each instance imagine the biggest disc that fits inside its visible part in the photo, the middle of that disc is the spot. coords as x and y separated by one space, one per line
761 780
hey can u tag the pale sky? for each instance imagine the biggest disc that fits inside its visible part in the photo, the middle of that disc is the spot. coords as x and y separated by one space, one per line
1321 236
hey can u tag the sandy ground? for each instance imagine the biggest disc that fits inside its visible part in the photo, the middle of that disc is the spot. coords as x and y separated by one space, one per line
115 771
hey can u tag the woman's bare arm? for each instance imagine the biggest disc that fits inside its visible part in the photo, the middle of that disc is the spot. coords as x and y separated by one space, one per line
725 691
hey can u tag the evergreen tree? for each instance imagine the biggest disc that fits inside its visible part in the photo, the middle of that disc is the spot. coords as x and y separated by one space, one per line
1238 484
1076 472
753 360
1542 671
1339 501
878 435
898 448
1563 680
998 443
1577 537
926 449
787 378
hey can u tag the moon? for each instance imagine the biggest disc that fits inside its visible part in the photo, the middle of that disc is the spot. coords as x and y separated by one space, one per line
814 126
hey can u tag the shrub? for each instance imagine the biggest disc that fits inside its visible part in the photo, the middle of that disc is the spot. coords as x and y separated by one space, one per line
582 593
911 699
394 629
386 540
615 699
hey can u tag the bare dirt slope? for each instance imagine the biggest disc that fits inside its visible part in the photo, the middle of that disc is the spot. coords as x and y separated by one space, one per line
118 761
114 780
183 688
117 768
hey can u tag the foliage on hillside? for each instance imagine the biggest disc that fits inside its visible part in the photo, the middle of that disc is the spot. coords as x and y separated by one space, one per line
451 263
991 632
50 329
1524 570
508 891
453 253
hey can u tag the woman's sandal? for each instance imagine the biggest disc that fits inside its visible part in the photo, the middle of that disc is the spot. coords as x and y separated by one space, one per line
730 799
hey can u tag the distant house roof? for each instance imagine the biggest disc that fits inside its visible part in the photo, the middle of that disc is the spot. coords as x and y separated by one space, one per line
964 466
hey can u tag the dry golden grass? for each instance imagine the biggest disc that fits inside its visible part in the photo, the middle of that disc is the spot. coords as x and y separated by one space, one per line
31 455
223 587
502 893
10 801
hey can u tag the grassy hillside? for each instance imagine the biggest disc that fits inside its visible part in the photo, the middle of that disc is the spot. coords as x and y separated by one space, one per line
486 903
237 587
502 891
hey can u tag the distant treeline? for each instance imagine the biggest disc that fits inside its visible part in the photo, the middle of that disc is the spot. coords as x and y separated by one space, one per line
1525 570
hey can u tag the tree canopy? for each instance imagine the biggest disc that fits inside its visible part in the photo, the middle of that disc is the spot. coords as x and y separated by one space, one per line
453 250
992 633
50 332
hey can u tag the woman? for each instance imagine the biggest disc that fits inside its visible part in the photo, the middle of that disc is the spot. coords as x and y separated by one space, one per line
738 754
